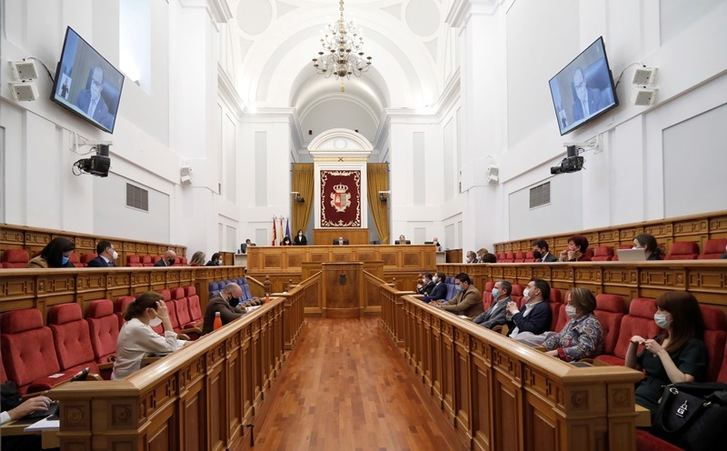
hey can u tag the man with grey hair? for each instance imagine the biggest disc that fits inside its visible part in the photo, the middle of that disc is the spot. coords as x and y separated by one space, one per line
168 260
227 304
495 316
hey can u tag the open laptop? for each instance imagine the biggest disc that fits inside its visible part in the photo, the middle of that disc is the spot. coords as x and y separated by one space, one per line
631 255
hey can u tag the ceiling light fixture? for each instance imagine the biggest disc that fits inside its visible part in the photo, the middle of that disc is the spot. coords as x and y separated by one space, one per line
342 50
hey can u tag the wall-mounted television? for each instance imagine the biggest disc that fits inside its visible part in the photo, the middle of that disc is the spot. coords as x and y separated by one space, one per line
86 83
584 89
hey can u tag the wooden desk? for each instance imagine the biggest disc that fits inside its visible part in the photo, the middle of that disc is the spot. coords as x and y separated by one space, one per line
325 237
501 395
343 290
643 417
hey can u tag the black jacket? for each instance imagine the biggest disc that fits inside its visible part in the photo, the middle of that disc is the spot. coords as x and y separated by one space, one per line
438 293
300 240
537 321
99 262
227 313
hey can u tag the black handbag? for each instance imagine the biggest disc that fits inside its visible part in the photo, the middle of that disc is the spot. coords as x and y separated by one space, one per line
693 415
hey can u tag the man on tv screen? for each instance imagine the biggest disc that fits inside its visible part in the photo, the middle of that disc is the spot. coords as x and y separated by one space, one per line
91 102
587 101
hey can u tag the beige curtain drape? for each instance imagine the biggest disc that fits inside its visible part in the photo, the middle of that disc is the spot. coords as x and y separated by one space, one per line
303 183
378 180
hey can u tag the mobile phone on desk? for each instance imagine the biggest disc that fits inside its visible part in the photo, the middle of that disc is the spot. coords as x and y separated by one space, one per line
81 376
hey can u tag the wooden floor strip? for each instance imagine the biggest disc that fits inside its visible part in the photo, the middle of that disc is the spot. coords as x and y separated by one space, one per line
346 387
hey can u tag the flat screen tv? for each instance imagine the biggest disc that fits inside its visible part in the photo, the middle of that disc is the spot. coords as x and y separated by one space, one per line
584 89
86 83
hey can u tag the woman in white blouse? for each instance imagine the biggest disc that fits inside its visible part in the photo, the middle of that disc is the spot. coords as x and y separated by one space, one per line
137 338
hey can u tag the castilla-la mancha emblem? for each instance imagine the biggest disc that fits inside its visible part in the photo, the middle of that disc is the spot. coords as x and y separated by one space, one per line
340 198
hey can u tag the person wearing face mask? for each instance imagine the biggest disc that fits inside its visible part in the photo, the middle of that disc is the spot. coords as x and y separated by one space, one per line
56 254
496 315
648 244
439 290
471 257
214 260
467 301
300 239
227 303
576 250
106 255
541 252
582 336
535 314
137 337
427 284
168 260
676 355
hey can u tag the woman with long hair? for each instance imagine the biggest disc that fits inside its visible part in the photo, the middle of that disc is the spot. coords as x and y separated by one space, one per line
198 259
56 254
648 244
676 355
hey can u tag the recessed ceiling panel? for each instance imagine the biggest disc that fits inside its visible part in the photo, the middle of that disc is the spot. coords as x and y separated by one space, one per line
254 16
422 16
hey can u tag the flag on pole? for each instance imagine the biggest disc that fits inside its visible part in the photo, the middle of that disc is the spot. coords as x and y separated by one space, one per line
280 227
287 227
275 236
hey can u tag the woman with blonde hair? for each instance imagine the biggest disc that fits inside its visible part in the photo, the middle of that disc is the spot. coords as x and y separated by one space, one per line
198 259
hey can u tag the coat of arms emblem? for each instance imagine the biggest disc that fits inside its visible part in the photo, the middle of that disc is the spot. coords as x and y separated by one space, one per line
340 198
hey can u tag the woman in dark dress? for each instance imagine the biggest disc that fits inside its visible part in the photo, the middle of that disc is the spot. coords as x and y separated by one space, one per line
674 356
648 244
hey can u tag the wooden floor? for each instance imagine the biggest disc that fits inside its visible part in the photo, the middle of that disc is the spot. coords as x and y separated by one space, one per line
346 387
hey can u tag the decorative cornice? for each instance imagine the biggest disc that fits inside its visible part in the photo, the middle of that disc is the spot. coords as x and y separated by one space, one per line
228 92
219 11
461 11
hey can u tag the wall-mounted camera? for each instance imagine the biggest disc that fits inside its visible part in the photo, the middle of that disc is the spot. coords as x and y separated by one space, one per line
97 165
384 195
571 163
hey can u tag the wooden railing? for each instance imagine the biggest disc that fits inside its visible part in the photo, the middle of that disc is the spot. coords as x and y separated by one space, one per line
34 239
305 293
502 395
198 398
705 279
42 288
697 228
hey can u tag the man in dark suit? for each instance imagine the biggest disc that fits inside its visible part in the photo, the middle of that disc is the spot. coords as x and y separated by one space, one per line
106 255
426 285
587 101
340 241
91 102
541 252
439 291
168 260
467 302
496 315
227 303
535 314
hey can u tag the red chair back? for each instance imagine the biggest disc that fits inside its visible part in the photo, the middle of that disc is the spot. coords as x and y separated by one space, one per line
683 250
146 261
195 310
602 254
14 258
120 306
71 336
103 326
715 337
133 260
639 321
714 249
610 310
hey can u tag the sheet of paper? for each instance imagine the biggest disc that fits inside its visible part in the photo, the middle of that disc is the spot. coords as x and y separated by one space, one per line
44 425
252 308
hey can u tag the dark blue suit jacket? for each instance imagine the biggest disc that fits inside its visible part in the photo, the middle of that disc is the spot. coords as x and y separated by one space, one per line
439 292
537 321
99 262
100 114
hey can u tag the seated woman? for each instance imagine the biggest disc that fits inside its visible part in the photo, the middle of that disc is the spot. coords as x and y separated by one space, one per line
198 259
576 250
56 254
137 338
286 241
676 355
214 260
582 336
648 244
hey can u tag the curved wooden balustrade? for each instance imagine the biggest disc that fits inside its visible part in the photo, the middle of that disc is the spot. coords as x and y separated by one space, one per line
502 395
198 398
705 279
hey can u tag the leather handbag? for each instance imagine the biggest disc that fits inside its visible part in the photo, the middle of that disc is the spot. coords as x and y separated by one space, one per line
693 415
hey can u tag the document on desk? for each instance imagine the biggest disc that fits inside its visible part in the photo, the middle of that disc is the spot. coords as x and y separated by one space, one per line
45 424
252 308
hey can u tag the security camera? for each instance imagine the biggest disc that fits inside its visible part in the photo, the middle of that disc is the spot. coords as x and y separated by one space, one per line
384 195
97 165
571 163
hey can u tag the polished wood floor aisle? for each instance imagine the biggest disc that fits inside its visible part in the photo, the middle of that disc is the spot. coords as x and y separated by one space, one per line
346 387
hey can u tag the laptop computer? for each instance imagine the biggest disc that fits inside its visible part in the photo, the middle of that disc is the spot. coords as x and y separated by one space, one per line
631 255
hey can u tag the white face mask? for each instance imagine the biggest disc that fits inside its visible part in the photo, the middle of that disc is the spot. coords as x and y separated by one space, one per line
662 319
114 255
155 322
435 279
570 311
526 293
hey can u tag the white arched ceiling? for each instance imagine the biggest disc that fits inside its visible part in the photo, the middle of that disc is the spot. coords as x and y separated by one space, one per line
398 39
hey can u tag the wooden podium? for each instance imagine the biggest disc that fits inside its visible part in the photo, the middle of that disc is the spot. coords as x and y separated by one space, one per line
326 236
342 290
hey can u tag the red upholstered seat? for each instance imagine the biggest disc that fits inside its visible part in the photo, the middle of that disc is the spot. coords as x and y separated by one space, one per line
87 257
146 261
72 338
648 442
562 319
75 259
28 353
14 258
713 249
517 294
500 257
715 336
588 256
610 310
120 306
519 257
178 261
508 258
529 257
195 310
555 295
683 250
487 294
103 326
183 261
133 260
602 254
555 308
181 305
639 321
155 258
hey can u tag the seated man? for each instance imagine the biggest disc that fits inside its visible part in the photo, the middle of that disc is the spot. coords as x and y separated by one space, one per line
426 285
168 260
495 315
541 252
106 255
402 240
439 290
340 241
227 304
535 314
467 302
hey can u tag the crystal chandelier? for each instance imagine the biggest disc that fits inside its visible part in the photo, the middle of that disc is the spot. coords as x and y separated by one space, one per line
342 50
